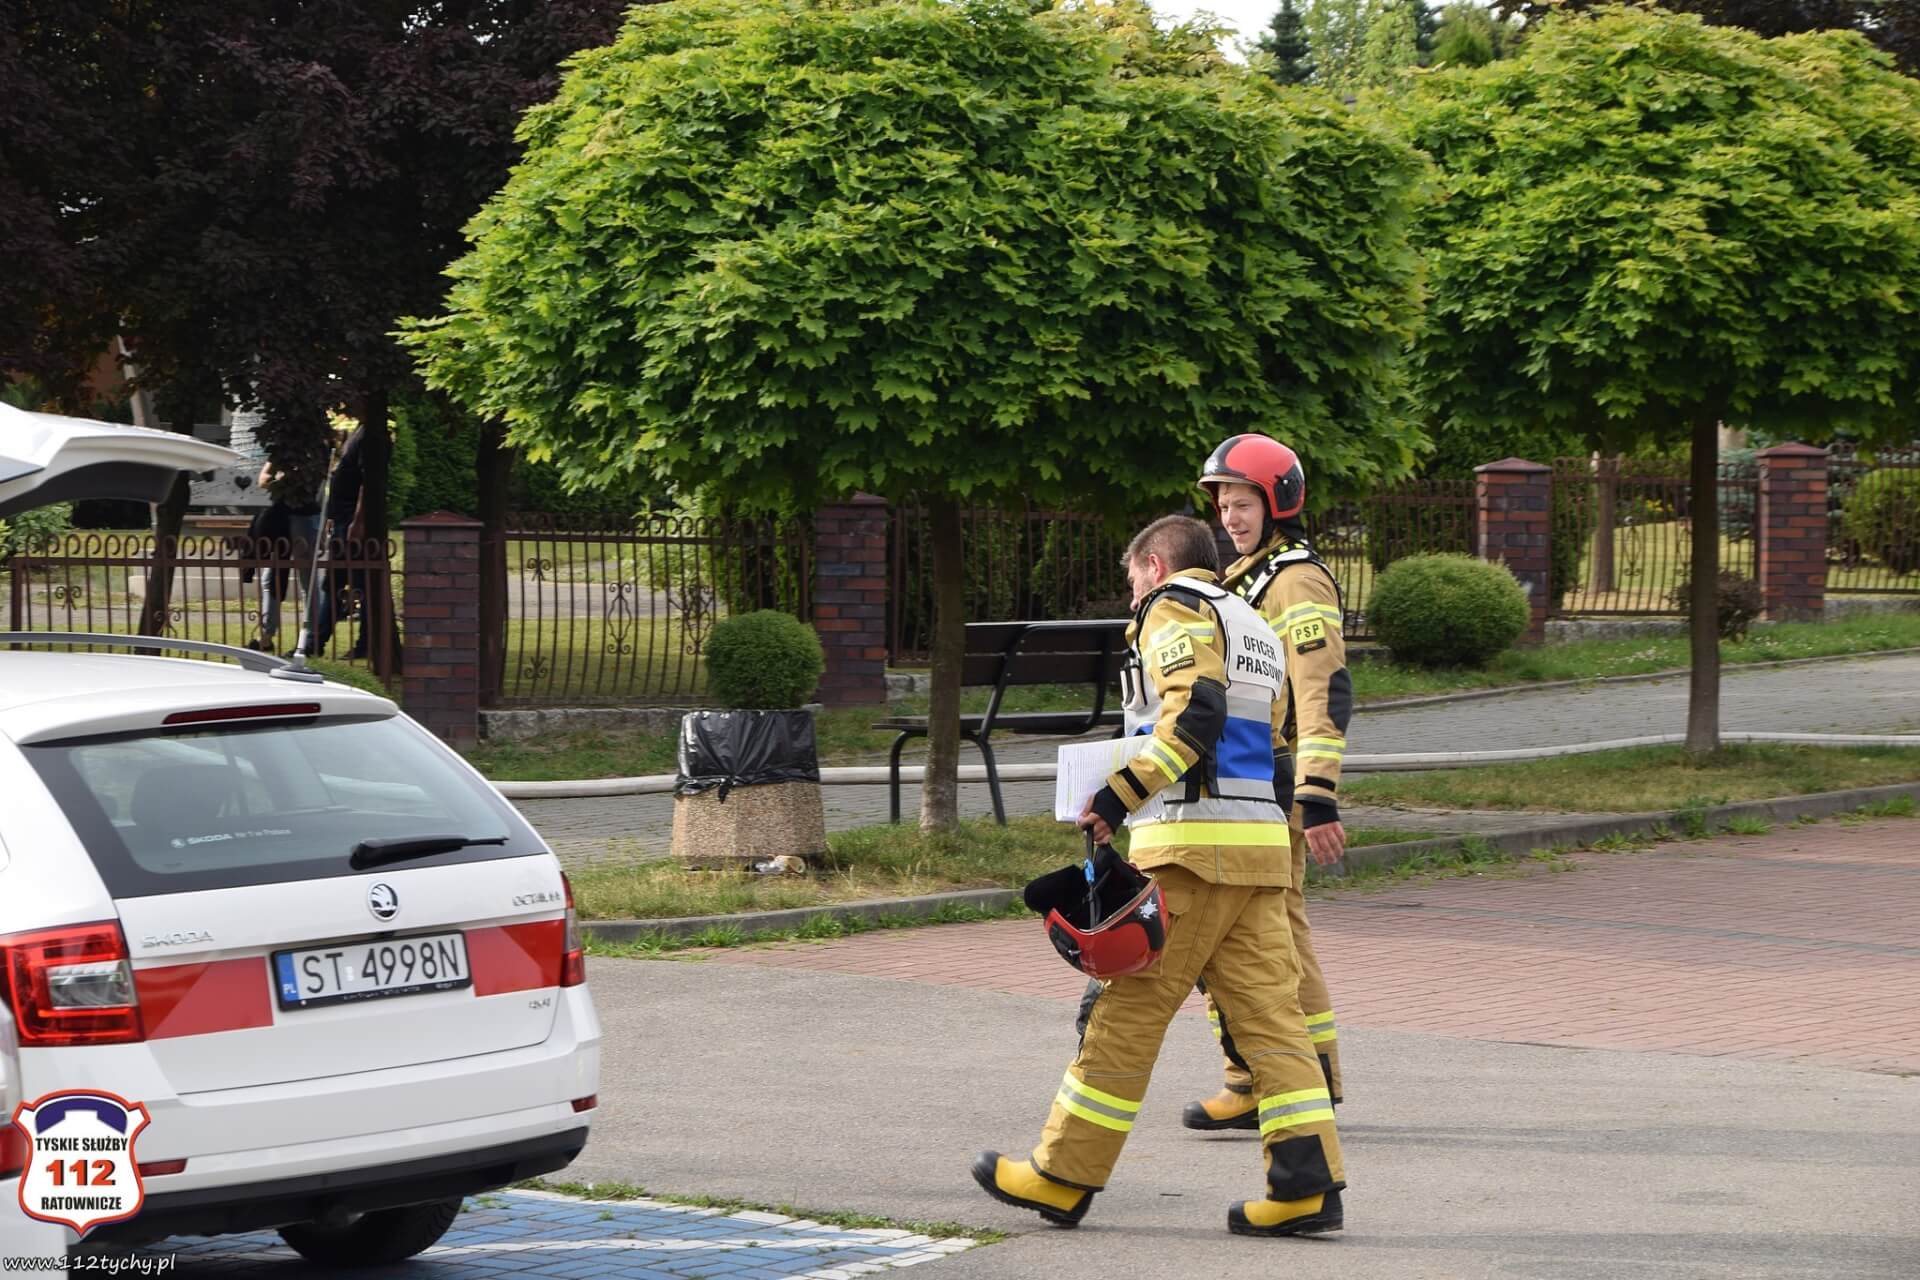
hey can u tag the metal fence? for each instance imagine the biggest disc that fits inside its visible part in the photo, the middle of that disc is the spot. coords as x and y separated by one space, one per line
1622 533
1360 538
1025 564
616 610
249 593
1873 521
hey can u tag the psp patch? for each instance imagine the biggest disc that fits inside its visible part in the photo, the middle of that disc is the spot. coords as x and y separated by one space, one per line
1308 636
80 1168
1172 657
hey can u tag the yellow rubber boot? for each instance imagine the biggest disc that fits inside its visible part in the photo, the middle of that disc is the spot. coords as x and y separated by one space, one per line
1228 1109
1307 1217
1018 1183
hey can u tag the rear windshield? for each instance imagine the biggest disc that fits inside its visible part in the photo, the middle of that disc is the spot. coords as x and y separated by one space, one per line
229 806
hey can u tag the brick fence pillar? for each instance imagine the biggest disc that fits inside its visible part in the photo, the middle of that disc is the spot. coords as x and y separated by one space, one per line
1512 504
441 612
850 600
1791 529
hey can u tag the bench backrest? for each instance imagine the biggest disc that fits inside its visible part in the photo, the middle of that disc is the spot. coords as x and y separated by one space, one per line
1016 653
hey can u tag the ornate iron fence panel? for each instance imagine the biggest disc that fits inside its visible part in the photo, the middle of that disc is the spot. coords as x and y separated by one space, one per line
249 593
1622 534
1030 564
617 610
1359 538
1873 521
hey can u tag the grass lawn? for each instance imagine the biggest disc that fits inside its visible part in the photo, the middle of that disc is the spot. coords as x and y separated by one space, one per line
1641 779
863 864
845 738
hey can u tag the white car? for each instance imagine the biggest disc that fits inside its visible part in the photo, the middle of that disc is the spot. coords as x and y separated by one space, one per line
342 974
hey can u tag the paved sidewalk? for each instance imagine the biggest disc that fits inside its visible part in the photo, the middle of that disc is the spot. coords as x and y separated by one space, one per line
1875 695
1799 945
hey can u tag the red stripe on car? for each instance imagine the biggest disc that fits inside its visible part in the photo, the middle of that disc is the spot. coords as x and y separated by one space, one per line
200 999
516 957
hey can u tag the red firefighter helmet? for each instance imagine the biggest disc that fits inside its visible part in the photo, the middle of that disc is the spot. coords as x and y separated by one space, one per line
1121 915
1264 463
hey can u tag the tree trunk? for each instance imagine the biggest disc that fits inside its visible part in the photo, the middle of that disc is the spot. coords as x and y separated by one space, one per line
492 464
940 793
383 646
168 519
169 516
1607 499
1703 696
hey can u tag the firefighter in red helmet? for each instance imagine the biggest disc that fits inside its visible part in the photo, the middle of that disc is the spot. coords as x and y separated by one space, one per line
1260 490
1199 798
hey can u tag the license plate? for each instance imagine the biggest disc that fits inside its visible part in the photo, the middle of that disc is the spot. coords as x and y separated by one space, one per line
371 970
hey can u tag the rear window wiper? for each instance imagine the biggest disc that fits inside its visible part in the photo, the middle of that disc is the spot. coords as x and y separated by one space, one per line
379 852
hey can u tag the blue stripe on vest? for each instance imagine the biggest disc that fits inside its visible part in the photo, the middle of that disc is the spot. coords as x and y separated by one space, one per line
1246 749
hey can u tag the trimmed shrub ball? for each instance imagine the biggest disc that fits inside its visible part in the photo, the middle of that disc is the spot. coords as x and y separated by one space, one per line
1447 610
764 661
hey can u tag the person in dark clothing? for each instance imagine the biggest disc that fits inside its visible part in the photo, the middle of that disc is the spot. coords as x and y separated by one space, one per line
344 523
286 529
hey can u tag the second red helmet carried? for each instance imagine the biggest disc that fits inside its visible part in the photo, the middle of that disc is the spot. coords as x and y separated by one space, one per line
1264 463
1106 926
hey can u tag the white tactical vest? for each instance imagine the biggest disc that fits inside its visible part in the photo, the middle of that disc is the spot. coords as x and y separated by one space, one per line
1237 775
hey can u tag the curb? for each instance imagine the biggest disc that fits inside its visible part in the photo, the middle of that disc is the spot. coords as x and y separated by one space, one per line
1820 804
1648 677
770 921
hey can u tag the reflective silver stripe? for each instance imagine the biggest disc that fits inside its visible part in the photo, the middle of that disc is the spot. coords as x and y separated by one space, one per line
1217 809
1246 788
1080 1102
1280 1116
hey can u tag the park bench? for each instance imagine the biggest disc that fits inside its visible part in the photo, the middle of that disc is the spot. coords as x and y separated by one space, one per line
1002 655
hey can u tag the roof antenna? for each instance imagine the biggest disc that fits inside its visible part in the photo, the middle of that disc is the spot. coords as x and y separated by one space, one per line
297 668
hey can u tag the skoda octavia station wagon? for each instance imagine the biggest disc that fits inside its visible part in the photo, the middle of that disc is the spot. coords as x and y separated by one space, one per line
340 973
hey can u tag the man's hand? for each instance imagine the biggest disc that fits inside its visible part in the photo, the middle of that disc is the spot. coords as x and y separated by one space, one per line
1102 833
1326 842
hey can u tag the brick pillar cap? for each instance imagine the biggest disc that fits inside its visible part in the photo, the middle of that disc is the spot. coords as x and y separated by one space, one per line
1792 450
866 500
1515 464
441 519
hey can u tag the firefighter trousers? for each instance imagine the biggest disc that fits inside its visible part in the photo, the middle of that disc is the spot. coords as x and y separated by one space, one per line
1238 939
1315 1003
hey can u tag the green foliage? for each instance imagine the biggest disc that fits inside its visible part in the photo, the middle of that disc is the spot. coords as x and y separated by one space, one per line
1392 44
1645 219
1737 603
432 467
1447 610
763 661
1285 41
36 527
789 250
1469 36
1883 516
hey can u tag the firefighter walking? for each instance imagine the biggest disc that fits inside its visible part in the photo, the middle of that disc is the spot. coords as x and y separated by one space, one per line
1259 490
1199 799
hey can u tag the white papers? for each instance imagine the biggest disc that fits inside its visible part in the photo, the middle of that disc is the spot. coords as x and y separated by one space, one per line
1082 770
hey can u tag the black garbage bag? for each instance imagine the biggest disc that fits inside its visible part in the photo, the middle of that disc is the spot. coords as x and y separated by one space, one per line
728 749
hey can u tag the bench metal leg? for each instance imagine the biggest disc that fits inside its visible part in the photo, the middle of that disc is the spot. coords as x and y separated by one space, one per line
993 778
893 777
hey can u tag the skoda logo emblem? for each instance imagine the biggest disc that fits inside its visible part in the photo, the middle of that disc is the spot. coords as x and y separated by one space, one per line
383 902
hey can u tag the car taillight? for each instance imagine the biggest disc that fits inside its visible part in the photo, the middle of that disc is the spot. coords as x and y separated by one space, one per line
573 963
71 986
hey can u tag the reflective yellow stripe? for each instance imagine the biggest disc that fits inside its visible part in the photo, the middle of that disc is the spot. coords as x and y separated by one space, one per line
1078 1085
1077 1097
1320 1027
1158 835
1165 757
1321 1037
1198 630
1325 1115
1329 748
1288 1099
1093 1117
